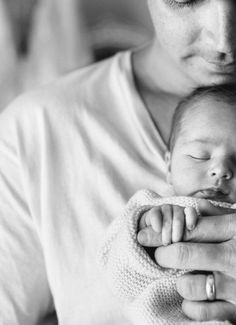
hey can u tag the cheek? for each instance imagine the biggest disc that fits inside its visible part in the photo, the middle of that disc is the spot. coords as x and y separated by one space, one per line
234 191
185 177
175 31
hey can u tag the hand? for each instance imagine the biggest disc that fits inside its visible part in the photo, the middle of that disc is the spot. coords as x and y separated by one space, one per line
169 221
211 247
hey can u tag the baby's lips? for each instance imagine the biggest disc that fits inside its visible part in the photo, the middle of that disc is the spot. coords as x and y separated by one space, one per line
214 193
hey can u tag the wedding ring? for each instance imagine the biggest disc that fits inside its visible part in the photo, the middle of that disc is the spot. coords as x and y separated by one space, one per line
210 287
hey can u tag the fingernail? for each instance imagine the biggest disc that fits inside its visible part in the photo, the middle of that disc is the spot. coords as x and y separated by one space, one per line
166 243
142 238
156 229
190 227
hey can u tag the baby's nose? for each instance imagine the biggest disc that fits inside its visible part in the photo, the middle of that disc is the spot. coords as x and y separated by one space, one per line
221 172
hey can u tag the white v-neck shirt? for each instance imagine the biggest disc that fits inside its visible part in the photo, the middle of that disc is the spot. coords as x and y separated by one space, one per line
71 155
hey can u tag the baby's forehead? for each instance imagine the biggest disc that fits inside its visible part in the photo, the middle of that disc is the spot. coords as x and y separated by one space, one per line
205 108
208 107
209 118
217 95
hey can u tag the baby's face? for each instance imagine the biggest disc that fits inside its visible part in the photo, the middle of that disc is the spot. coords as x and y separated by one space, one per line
203 161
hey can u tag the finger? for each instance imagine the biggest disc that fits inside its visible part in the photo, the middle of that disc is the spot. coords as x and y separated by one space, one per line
149 238
143 221
213 229
193 287
206 311
191 217
156 219
197 256
178 224
206 208
166 234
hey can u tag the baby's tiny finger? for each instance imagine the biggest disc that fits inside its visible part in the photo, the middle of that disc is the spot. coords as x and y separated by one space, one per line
143 221
178 224
156 220
167 224
190 217
149 238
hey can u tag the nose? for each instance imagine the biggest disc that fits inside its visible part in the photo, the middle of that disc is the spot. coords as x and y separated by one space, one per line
220 27
221 172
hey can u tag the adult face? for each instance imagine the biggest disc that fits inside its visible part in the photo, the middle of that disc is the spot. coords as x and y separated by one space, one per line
198 36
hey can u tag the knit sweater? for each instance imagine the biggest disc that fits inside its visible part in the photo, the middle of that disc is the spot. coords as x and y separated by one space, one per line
147 290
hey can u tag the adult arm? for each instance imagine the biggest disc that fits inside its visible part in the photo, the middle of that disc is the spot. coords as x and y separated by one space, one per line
211 246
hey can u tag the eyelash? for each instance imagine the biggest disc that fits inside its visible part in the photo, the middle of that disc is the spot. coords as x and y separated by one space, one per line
176 4
196 158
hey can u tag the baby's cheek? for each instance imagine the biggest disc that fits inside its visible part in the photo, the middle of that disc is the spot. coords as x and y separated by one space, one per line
185 183
233 194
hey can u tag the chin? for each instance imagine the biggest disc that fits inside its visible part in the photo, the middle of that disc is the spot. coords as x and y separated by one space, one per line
222 79
206 78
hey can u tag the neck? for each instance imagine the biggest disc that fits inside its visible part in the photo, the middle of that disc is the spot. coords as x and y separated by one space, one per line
160 84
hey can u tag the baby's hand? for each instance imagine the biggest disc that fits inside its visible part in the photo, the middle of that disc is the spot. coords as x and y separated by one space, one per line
170 221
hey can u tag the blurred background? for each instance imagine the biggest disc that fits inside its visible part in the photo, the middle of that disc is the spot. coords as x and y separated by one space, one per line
43 39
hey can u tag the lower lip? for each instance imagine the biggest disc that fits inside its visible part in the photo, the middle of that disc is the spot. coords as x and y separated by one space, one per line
210 194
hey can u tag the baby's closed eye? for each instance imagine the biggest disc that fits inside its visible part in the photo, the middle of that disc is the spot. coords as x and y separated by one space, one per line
199 156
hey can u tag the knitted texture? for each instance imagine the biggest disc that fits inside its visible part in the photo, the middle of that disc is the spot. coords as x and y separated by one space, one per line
147 290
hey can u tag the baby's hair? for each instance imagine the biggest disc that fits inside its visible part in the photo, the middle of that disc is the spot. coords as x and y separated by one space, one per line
222 93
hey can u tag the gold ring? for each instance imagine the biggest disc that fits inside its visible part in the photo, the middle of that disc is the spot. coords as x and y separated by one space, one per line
210 287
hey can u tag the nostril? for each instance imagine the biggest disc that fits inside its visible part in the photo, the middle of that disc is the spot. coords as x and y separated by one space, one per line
227 176
221 175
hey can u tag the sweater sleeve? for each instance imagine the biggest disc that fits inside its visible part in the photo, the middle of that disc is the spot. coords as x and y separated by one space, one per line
24 290
147 290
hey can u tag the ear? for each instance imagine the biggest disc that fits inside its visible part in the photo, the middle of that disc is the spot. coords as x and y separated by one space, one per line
168 164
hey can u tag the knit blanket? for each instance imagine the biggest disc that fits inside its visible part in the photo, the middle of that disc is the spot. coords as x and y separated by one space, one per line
147 291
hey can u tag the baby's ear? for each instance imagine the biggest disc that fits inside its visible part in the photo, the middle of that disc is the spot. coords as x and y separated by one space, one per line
168 164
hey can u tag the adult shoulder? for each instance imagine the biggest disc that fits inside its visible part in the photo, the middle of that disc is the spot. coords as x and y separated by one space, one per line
85 88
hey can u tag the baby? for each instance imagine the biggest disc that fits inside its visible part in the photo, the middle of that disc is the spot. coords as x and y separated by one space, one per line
201 164
201 159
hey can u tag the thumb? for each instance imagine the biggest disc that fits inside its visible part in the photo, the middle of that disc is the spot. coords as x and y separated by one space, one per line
149 238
